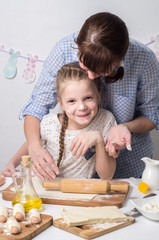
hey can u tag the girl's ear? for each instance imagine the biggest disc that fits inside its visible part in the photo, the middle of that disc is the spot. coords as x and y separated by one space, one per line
59 102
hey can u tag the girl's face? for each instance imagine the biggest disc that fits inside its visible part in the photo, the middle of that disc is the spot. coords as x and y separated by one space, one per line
79 99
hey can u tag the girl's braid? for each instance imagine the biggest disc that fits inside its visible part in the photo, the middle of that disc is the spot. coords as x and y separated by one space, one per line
62 137
73 72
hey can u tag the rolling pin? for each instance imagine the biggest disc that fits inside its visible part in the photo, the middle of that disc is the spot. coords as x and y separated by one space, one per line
86 186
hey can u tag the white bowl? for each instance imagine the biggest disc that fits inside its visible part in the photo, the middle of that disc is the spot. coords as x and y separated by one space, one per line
140 202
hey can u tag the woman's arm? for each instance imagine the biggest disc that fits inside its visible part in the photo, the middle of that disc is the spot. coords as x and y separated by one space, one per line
41 158
119 136
42 99
140 125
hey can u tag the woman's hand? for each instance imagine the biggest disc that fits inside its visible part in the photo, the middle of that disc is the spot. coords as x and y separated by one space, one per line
83 141
43 164
119 137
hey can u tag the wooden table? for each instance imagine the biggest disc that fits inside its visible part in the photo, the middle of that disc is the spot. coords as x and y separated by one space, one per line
141 229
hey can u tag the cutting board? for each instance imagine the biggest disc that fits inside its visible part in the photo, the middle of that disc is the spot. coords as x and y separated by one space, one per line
110 199
30 230
92 230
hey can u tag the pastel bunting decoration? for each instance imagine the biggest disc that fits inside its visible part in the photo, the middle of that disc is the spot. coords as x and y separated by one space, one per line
10 69
29 74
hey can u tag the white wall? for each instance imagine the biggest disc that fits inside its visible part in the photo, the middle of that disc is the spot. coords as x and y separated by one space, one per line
34 26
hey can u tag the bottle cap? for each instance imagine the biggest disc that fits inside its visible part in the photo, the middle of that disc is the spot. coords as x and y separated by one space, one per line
26 161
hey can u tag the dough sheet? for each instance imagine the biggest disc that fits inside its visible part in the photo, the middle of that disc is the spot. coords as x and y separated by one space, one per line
90 215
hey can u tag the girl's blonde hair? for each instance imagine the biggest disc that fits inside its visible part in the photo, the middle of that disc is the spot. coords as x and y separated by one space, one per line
70 72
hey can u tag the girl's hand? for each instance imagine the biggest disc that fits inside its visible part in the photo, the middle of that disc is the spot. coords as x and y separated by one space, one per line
119 137
9 170
2 179
83 141
43 164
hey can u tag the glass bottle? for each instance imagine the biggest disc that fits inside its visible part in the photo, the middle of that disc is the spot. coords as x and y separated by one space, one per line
25 191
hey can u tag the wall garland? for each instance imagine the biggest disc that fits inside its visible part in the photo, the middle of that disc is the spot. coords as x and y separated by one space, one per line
29 73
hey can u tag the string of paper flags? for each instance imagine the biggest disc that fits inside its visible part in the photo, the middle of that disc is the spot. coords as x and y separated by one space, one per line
29 74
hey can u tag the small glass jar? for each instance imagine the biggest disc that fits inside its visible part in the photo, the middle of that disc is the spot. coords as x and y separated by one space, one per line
25 191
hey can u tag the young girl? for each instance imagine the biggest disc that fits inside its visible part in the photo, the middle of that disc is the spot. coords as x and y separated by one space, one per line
76 138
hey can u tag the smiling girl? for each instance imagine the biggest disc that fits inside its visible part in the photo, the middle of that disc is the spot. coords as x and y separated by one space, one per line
76 137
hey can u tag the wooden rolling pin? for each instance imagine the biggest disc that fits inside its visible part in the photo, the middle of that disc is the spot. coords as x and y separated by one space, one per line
87 186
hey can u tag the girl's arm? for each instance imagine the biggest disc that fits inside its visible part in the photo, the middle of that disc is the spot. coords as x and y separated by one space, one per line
105 165
10 168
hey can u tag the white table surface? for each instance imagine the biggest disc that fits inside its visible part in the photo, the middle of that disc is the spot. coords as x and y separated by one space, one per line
143 228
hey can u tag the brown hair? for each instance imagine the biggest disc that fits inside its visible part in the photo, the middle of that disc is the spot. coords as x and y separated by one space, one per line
73 72
102 43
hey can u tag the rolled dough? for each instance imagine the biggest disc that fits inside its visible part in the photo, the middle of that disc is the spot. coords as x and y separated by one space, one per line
90 215
34 213
18 208
12 223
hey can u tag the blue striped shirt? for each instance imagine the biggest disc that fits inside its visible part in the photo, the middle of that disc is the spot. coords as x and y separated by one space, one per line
137 94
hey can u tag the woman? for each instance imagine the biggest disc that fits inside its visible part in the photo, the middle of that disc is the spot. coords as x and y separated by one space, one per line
104 49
